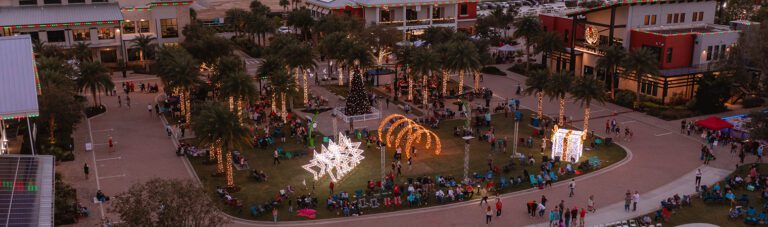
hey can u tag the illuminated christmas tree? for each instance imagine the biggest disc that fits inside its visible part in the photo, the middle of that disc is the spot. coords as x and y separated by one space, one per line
357 102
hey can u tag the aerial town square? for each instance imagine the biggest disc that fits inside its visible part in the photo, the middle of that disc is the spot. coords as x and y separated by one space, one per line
367 113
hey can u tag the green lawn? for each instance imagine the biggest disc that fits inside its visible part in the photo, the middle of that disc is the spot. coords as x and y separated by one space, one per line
717 212
449 162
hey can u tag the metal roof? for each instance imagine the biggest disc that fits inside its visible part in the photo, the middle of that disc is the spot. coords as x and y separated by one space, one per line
56 14
18 89
27 191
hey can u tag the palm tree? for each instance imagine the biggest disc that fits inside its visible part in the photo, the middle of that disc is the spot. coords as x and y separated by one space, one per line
558 86
585 90
356 55
527 28
300 58
284 4
464 58
82 52
145 46
178 71
442 50
282 84
536 83
549 43
637 64
239 88
94 77
425 62
613 56
216 125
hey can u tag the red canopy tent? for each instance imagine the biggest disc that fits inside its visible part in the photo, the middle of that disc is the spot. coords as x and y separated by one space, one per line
714 123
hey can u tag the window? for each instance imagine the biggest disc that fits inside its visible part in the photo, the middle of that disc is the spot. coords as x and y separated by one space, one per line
716 53
129 27
108 55
647 20
701 16
95 1
56 36
669 18
653 19
106 33
6 31
81 35
669 55
722 51
437 12
464 9
682 18
50 2
144 26
168 28
649 88
588 70
27 2
709 53
134 54
34 35
677 18
385 15
75 1
565 36
411 14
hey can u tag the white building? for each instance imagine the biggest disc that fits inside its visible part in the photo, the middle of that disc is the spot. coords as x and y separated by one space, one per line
108 26
409 16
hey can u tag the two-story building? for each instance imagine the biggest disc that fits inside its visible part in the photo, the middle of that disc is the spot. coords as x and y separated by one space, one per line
107 26
681 34
409 16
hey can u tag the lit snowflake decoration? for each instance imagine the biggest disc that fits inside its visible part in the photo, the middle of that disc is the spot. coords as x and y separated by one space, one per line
341 157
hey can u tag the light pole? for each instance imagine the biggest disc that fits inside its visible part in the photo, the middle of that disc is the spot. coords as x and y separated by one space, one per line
467 139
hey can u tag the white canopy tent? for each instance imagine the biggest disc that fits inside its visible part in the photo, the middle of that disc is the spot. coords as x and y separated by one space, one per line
19 85
507 48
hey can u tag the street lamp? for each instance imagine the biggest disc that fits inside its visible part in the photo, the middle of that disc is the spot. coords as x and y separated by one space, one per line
467 139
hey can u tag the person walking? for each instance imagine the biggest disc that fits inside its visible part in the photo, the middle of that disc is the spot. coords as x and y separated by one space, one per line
591 204
276 159
567 217
110 143
698 179
483 195
119 101
498 207
488 215
581 217
627 200
149 108
572 186
274 214
635 199
85 170
330 186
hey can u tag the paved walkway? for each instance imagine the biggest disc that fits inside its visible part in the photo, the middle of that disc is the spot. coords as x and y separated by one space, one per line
142 151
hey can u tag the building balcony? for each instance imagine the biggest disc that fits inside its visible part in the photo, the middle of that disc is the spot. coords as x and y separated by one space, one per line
419 22
444 20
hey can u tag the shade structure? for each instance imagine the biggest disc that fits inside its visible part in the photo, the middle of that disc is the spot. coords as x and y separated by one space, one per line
18 78
714 123
507 48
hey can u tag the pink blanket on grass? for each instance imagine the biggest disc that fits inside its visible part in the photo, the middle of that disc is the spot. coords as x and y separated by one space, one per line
308 213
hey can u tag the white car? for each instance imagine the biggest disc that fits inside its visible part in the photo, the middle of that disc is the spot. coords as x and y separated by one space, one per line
284 30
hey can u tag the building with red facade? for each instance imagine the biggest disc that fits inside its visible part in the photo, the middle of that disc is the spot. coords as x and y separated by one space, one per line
409 16
681 33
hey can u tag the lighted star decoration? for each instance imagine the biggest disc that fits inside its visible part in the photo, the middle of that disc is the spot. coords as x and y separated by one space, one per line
336 159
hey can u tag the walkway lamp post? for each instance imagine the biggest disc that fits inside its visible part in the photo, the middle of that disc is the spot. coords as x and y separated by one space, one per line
467 139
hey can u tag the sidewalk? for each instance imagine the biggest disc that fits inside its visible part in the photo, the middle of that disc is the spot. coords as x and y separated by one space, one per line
651 201
141 151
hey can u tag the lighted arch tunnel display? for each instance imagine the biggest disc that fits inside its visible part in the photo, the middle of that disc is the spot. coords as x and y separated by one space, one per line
404 129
